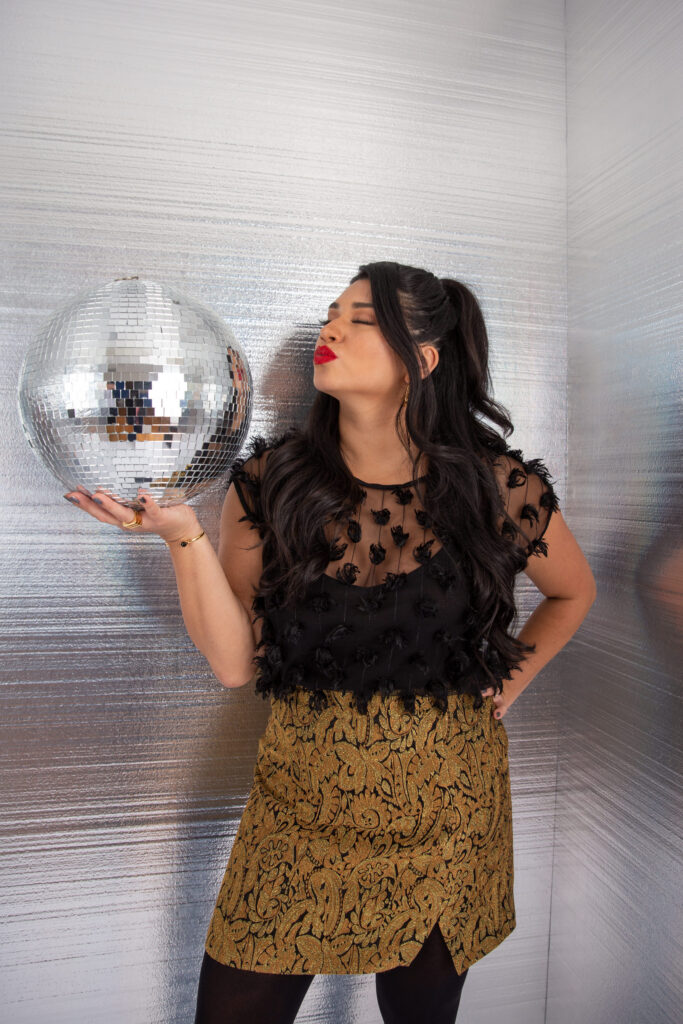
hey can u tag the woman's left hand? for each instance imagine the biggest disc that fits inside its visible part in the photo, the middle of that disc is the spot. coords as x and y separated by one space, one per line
502 701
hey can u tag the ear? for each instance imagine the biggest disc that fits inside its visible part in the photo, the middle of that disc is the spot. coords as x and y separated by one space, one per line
431 357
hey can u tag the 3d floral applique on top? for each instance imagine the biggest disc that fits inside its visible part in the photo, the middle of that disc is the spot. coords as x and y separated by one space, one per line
393 617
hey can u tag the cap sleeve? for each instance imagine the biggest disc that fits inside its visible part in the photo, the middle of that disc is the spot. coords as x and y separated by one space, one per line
246 474
529 501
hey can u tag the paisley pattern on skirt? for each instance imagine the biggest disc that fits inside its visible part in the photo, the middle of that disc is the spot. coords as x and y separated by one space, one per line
362 831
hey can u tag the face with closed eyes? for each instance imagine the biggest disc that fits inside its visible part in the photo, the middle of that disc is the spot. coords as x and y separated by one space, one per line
366 365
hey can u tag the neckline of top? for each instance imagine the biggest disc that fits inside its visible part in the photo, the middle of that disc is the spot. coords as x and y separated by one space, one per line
389 487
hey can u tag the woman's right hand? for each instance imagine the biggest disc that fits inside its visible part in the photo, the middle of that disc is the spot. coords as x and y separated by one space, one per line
172 523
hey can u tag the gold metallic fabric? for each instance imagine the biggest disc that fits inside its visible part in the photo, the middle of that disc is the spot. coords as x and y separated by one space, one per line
361 831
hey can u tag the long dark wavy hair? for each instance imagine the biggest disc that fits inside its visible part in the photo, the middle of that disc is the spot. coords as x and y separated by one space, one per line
444 419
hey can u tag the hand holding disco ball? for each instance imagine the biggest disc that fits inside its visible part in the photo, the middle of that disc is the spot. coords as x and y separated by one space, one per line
171 524
136 385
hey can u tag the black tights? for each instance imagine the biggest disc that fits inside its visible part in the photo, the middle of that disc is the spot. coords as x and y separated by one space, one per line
427 989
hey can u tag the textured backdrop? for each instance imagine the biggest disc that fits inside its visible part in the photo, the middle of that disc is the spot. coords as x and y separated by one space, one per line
616 921
254 157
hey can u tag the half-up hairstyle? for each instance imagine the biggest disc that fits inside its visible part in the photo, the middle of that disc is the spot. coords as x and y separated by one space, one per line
488 507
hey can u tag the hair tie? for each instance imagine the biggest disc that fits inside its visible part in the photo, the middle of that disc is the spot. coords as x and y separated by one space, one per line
453 298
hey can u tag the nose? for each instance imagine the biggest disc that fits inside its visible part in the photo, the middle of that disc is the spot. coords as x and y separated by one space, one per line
330 330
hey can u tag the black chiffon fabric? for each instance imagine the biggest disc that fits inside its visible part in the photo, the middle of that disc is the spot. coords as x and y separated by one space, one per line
390 614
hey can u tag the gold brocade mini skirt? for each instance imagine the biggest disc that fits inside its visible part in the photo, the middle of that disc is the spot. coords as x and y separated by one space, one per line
362 831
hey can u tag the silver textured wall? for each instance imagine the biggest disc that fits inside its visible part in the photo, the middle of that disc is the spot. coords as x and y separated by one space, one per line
255 156
616 922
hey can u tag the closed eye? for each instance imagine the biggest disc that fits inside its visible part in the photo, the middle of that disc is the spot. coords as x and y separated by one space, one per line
368 323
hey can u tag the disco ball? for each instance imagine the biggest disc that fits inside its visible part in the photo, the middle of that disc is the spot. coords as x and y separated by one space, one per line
136 384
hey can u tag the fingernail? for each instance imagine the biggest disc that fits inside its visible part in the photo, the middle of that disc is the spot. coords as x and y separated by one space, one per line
497 714
98 500
75 501
143 500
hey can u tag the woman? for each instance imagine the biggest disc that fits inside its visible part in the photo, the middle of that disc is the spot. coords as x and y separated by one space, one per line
377 837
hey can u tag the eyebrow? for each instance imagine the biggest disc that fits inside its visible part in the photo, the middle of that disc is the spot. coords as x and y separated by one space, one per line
355 305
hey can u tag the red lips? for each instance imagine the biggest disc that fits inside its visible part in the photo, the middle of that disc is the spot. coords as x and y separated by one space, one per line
323 354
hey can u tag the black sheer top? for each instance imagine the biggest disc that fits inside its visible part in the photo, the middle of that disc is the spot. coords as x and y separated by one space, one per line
390 612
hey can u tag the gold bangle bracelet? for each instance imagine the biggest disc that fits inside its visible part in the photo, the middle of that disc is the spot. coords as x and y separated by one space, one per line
183 543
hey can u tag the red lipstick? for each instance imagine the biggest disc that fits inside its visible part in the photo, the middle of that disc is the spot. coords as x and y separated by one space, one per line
323 354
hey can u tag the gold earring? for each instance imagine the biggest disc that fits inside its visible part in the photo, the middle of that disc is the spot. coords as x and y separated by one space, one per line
405 402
